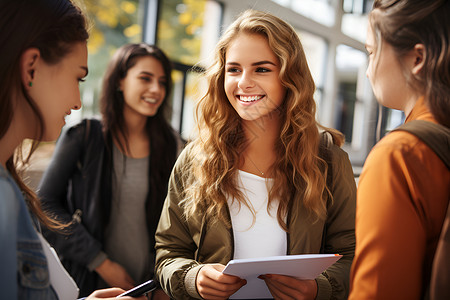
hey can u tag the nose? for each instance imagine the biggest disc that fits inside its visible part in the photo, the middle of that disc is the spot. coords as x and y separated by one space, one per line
155 87
368 66
77 106
245 81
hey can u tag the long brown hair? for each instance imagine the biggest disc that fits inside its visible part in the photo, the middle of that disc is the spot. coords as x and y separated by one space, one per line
298 168
52 26
406 23
163 145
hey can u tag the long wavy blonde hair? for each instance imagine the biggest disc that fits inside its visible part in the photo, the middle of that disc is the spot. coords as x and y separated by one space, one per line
297 169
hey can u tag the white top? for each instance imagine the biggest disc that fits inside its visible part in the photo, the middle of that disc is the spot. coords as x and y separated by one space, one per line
261 236
64 286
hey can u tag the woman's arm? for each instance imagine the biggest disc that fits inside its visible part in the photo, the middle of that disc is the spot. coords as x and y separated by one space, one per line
77 244
9 211
175 247
340 228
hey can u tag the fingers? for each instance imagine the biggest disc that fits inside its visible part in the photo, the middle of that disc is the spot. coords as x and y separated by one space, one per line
277 292
286 287
105 294
115 275
213 284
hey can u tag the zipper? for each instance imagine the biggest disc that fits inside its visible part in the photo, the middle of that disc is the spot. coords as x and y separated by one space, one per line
76 217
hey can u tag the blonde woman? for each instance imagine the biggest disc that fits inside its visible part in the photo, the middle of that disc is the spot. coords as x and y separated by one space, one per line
254 183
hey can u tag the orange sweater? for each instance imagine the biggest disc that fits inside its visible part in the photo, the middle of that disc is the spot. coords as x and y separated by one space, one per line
401 203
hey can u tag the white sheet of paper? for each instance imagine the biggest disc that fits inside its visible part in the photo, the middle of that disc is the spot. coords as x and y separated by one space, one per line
63 284
304 266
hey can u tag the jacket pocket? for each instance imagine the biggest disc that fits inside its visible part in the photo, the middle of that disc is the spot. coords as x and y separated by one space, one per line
33 275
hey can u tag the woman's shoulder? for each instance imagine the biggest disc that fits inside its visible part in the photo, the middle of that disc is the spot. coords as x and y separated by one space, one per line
399 148
84 128
187 154
399 142
9 193
330 150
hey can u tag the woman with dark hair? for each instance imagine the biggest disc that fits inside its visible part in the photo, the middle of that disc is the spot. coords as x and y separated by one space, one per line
110 177
260 179
404 189
43 58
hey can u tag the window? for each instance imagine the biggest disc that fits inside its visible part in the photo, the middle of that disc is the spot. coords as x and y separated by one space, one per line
322 11
180 29
354 19
188 31
315 49
350 64
114 23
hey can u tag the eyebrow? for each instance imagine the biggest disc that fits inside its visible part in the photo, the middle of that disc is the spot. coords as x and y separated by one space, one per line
85 69
146 73
151 74
258 63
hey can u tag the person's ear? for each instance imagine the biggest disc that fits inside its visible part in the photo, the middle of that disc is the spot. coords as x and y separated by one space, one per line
121 84
419 58
28 63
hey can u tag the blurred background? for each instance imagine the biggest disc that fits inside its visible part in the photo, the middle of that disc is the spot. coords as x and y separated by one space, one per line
333 34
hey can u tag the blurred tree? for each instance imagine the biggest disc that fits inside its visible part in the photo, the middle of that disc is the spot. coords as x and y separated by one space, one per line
180 29
113 24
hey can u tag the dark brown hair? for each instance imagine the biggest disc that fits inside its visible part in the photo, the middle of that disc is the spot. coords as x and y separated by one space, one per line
163 145
52 26
405 23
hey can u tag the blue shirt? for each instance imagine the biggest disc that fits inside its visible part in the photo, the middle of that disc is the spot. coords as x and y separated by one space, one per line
23 265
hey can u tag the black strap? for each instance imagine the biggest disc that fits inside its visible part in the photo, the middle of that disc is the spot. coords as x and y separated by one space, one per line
436 136
325 154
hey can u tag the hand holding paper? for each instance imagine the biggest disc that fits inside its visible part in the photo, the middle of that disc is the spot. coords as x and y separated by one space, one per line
212 283
305 267
287 287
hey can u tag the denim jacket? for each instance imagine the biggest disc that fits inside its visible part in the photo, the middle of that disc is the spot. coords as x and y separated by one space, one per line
23 267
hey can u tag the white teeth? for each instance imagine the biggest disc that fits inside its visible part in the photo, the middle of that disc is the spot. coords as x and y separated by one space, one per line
249 98
150 100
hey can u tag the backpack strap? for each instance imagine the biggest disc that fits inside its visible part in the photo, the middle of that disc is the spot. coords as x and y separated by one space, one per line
436 136
325 153
440 274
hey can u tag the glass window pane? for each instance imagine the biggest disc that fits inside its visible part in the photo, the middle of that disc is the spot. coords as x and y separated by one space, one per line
322 11
354 20
315 49
355 26
350 64
180 29
395 118
176 100
195 89
114 23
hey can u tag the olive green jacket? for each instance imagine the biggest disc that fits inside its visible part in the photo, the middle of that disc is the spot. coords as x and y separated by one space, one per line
183 247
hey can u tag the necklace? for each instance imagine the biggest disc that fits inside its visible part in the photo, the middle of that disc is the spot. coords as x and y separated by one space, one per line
253 163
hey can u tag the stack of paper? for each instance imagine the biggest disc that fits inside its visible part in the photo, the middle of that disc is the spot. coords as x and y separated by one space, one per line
306 266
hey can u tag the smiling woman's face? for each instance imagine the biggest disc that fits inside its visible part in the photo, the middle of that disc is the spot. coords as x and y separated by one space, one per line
144 87
55 88
252 82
